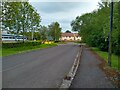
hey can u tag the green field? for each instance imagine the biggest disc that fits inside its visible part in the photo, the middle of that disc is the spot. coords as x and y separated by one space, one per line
114 59
10 51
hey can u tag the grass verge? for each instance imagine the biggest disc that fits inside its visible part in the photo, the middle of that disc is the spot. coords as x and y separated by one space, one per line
0 49
104 55
10 51
61 42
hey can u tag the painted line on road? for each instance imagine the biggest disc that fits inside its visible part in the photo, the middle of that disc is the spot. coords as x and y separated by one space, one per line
70 76
12 67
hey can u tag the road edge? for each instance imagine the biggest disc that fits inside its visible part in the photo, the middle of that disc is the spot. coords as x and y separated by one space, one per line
27 51
70 76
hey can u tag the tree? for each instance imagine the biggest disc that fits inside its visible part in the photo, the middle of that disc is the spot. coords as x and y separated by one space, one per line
19 17
68 31
55 31
94 27
43 33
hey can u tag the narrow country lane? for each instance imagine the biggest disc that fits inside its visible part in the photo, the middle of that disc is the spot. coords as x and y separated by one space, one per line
39 69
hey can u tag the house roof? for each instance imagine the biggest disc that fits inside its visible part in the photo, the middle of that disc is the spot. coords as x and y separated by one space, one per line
69 34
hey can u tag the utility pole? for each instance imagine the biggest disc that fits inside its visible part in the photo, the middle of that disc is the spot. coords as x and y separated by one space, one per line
110 43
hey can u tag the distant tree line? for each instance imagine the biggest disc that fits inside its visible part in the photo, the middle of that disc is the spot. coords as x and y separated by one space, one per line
22 18
94 27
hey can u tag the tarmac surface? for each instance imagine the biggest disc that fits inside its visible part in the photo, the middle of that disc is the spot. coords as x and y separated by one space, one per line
89 75
44 68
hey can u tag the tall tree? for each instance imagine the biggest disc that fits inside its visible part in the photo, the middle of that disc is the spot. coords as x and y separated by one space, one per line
55 31
19 17
94 27
43 33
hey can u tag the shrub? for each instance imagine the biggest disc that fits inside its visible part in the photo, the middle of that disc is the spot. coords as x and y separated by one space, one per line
19 44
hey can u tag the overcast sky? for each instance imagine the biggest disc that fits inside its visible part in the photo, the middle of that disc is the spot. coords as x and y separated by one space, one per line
62 12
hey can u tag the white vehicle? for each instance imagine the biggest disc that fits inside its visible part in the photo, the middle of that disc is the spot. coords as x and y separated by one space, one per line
12 38
8 38
20 38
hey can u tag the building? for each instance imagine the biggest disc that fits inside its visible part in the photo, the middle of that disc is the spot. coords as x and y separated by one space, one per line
70 37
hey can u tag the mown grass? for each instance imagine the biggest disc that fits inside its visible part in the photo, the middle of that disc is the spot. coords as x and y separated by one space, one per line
114 59
10 51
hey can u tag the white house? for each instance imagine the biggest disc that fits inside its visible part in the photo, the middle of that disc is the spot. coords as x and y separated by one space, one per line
70 37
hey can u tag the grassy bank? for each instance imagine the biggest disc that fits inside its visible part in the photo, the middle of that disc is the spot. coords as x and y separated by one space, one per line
104 55
16 50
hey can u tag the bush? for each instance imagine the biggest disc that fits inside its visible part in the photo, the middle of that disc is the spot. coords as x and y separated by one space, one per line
116 48
56 41
20 44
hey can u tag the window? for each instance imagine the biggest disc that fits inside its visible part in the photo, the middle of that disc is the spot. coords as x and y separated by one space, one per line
5 37
10 37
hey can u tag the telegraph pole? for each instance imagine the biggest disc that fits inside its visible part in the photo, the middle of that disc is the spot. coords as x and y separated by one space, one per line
111 25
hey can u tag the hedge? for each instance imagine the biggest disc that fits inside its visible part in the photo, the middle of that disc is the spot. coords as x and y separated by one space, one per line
20 44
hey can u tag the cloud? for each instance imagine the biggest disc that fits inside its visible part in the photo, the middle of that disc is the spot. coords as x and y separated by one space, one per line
62 12
55 7
66 0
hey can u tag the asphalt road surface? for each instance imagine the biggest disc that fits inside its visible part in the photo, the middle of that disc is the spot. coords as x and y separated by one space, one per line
44 68
89 75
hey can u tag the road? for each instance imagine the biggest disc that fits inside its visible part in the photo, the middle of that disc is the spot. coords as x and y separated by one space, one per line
39 69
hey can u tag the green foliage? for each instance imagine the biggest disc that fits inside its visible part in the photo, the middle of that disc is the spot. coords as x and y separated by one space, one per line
55 31
104 55
94 27
16 50
22 18
19 17
43 33
14 45
35 34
